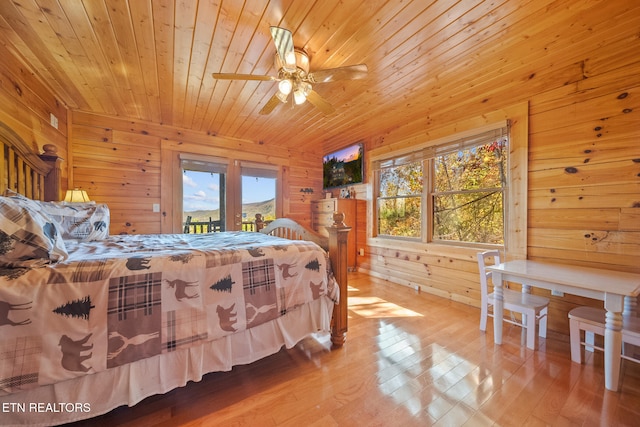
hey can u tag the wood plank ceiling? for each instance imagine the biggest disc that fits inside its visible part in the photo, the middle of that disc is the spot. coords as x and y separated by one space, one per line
153 59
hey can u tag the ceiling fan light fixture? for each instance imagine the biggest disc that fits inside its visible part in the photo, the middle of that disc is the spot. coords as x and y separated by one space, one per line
294 77
285 86
299 96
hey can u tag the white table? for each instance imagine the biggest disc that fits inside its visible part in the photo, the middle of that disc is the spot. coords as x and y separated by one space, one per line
617 289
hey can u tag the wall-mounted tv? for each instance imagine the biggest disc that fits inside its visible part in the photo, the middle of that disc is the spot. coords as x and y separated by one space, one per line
343 167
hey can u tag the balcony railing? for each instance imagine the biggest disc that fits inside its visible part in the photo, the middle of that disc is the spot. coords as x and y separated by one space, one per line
211 226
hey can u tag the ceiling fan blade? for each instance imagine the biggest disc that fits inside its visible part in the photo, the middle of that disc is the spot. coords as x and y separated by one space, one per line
320 103
284 45
270 105
232 76
349 72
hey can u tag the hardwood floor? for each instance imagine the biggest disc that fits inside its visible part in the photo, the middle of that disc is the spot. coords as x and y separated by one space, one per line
410 359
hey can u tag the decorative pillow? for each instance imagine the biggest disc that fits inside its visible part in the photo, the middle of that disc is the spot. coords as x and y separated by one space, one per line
28 238
79 221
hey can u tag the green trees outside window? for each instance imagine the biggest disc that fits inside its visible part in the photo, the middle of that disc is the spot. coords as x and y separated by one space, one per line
468 194
400 200
460 192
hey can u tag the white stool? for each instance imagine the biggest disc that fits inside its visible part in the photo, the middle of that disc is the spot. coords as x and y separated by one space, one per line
591 320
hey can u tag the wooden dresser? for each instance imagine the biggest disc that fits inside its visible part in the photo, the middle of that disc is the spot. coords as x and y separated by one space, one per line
322 217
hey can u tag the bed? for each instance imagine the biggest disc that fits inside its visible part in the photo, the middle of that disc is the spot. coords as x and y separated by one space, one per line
91 321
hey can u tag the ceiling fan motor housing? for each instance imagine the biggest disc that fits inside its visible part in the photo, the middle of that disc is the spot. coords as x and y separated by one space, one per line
299 62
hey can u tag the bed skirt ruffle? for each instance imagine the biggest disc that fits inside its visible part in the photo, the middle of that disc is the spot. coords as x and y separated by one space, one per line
92 395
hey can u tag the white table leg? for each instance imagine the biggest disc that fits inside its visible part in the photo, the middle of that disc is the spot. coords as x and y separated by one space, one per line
612 341
526 289
498 306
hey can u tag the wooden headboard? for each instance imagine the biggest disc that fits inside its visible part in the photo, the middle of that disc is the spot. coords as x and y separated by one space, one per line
37 176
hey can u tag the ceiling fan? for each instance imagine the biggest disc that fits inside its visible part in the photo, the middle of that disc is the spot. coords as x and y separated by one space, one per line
295 80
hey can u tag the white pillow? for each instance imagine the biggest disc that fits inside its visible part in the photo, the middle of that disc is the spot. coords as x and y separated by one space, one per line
28 237
79 221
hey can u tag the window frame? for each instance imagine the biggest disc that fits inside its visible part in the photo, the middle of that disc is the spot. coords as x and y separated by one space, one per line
503 189
172 201
207 164
260 170
515 208
427 159
422 196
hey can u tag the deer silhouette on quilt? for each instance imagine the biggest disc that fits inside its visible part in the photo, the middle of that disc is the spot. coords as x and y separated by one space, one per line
284 269
71 353
7 307
181 288
126 342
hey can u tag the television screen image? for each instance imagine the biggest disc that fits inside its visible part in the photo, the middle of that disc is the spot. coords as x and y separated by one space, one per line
343 167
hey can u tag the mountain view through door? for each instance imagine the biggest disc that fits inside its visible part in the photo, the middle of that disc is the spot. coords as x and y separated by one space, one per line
204 197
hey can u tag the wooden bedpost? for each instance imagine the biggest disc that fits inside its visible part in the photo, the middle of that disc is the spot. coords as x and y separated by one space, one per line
338 233
259 222
52 182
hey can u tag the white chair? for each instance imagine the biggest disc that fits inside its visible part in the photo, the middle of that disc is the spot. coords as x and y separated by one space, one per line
532 308
631 335
591 320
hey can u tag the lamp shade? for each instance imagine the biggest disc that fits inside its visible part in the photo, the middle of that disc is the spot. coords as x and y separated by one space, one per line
285 86
299 97
76 196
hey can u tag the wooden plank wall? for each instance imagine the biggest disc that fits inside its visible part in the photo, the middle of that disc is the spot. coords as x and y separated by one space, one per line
26 105
120 162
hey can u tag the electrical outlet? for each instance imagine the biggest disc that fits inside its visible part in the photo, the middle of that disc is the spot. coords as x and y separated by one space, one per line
156 207
557 293
53 120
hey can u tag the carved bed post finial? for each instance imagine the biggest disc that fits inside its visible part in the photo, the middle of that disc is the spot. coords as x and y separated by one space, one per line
338 219
338 234
49 150
259 222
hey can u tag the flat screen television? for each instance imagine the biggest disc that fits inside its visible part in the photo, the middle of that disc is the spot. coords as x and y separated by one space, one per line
343 167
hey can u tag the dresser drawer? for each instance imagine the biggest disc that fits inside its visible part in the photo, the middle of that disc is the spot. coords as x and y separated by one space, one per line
323 206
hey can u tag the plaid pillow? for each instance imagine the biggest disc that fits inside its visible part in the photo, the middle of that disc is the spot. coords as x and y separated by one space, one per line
79 221
28 238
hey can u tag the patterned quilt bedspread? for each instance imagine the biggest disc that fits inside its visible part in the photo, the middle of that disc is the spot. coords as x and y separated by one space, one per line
130 297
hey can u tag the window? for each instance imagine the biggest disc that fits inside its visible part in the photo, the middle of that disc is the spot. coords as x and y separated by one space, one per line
400 200
203 195
220 194
468 192
259 183
451 192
